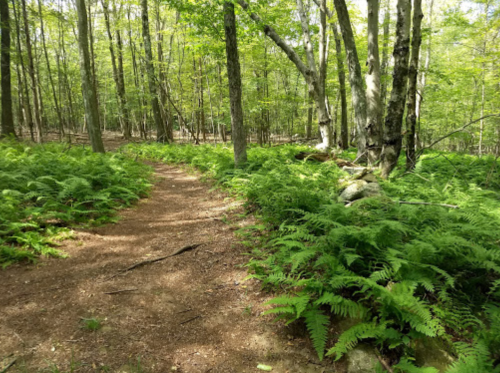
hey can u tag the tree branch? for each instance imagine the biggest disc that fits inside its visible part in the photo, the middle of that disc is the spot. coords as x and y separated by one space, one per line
273 35
456 131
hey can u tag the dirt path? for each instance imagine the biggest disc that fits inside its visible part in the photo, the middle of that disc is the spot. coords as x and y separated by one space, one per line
189 313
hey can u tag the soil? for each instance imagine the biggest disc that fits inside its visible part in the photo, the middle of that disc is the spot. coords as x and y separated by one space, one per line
188 313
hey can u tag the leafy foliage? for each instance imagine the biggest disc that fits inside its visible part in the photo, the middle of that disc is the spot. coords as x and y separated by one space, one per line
46 189
406 271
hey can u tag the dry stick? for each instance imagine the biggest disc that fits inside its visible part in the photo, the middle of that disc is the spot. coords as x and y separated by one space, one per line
9 365
455 131
384 363
189 320
429 204
149 261
120 291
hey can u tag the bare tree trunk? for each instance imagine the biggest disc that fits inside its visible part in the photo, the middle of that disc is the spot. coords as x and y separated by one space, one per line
117 75
234 77
31 68
396 107
88 89
344 129
7 117
411 115
374 104
202 104
51 80
423 75
385 62
160 129
355 78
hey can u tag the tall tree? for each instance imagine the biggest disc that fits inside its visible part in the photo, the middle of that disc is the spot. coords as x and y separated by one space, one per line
411 116
358 92
344 129
394 120
373 102
117 76
49 71
309 71
234 77
7 117
88 88
161 135
31 70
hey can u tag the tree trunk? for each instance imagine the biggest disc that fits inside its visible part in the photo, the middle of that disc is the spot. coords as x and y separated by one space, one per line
7 117
385 62
355 78
49 71
396 107
373 102
117 75
161 136
88 89
423 75
411 115
31 69
344 129
234 77
26 103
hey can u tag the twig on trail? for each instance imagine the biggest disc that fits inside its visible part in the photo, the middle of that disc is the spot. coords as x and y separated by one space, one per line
383 362
189 320
120 291
149 261
189 309
429 204
9 365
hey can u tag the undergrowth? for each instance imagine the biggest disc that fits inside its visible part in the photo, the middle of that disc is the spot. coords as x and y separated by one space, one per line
48 188
407 272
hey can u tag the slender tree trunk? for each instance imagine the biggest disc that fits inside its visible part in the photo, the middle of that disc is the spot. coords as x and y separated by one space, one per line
31 69
7 117
411 116
373 103
423 74
234 77
49 71
355 78
117 75
88 89
160 129
395 110
385 62
344 129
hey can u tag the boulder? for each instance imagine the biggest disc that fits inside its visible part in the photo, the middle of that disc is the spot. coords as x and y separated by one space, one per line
357 189
433 352
353 170
361 359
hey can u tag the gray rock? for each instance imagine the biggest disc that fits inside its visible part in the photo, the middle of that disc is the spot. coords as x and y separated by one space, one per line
353 170
360 189
361 359
433 352
354 190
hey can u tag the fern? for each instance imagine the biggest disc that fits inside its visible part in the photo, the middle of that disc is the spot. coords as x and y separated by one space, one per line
317 324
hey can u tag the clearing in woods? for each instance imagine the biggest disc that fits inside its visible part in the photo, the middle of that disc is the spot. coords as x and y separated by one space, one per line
188 313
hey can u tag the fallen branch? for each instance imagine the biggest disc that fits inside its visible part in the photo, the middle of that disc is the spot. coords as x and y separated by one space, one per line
429 204
383 362
9 365
189 320
149 261
120 291
453 132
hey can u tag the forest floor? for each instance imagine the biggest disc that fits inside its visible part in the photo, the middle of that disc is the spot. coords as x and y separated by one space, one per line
188 313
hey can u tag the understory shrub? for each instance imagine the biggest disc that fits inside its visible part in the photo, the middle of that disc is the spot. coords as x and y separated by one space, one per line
405 271
47 188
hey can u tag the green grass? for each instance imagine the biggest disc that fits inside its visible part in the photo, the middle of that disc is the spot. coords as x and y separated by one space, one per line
47 189
406 271
93 324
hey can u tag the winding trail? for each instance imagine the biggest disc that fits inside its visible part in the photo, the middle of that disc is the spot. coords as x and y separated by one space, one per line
188 313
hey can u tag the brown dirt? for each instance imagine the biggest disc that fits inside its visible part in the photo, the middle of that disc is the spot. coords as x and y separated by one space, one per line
188 313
